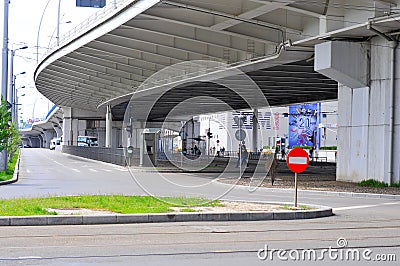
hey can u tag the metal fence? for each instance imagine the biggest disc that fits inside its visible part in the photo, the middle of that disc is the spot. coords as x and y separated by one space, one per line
108 155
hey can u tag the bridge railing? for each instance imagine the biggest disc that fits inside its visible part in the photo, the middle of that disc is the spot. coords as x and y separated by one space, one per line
88 23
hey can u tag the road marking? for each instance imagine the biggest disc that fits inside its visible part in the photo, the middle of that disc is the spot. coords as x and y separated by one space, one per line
93 170
28 171
363 206
58 163
29 257
107 170
76 170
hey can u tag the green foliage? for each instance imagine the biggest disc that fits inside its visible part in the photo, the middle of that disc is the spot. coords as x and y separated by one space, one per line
302 147
14 140
372 183
395 185
376 184
5 131
8 174
328 148
115 203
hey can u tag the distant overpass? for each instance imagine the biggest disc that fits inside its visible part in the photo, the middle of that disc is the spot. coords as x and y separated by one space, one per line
295 51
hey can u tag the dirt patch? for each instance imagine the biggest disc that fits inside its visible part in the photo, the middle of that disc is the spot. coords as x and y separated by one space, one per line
307 182
228 206
80 211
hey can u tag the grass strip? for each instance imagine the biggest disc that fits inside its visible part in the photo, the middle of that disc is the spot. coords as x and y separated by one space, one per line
7 175
114 203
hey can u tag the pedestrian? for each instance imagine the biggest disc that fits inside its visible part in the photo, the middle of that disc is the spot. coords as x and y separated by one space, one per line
283 153
240 155
271 166
311 152
245 155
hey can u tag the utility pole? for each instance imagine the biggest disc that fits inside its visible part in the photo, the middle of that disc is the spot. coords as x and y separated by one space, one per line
4 72
4 54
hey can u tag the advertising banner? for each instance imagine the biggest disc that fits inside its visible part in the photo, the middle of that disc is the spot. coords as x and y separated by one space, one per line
91 3
303 125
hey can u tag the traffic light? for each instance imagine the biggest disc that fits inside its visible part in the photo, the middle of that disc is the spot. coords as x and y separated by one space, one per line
209 135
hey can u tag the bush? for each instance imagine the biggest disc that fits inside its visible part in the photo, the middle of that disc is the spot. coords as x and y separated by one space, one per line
376 184
302 147
329 148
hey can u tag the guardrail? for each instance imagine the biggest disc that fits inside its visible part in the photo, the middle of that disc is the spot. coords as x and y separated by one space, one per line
108 155
88 23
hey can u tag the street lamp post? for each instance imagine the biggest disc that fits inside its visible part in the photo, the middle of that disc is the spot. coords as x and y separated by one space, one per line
4 54
4 69
11 93
13 96
16 109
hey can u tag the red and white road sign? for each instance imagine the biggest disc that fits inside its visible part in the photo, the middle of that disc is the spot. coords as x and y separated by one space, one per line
297 160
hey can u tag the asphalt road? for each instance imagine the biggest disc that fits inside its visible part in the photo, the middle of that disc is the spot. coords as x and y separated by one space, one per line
365 223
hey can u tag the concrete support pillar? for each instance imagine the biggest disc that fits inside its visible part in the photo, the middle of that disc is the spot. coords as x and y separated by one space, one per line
41 140
74 131
47 137
365 149
58 131
254 142
108 127
67 126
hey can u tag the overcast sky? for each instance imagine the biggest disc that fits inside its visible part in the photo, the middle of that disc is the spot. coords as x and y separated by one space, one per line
24 19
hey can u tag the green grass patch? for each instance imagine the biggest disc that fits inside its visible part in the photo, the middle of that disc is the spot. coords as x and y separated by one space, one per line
292 208
187 210
376 184
10 170
115 203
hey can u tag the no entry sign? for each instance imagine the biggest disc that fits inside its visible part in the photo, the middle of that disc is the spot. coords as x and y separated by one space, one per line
297 160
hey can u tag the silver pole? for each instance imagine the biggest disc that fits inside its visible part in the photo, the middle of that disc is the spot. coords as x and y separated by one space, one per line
295 190
13 103
58 23
11 88
4 54
4 71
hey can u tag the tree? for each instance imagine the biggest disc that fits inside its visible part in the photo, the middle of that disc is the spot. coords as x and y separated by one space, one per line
14 140
5 134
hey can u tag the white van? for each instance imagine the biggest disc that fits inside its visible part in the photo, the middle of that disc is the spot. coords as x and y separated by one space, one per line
54 143
87 141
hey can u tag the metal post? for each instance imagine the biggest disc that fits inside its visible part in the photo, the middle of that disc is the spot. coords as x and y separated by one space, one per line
4 70
108 127
11 74
295 190
255 131
58 23
4 54
13 100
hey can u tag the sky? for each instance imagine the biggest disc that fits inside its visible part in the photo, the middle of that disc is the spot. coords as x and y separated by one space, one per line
24 19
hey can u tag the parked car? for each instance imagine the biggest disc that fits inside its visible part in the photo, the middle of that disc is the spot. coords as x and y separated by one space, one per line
54 143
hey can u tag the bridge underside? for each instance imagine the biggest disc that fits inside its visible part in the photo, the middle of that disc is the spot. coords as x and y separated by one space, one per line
273 42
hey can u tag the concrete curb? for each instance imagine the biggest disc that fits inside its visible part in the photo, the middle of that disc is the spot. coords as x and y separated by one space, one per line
163 218
16 173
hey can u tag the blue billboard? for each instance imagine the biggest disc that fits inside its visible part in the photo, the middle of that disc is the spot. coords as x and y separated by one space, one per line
91 3
303 125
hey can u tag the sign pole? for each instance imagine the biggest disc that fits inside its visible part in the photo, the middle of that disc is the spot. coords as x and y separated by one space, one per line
297 161
295 190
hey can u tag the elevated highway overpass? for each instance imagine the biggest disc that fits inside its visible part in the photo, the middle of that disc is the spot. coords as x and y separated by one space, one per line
295 51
